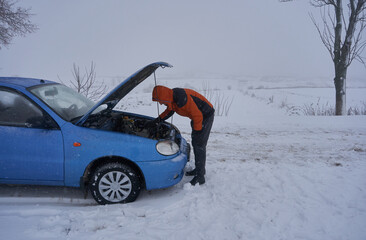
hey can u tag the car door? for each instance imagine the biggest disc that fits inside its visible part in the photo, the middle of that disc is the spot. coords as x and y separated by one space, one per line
31 143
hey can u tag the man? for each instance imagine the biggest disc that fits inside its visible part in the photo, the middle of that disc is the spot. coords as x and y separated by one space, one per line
189 103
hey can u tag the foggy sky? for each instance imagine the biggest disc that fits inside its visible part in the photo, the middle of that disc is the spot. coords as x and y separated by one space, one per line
204 37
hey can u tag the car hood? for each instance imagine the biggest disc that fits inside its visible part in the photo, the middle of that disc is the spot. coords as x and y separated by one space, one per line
114 96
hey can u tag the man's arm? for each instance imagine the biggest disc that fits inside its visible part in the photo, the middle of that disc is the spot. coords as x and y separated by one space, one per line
166 114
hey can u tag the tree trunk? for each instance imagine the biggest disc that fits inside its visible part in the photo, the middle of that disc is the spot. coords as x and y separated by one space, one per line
340 88
339 63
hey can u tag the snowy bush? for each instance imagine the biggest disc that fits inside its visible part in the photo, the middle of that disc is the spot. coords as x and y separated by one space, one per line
357 110
221 103
318 109
328 110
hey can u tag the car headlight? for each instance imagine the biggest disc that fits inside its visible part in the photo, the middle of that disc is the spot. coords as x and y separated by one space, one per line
167 147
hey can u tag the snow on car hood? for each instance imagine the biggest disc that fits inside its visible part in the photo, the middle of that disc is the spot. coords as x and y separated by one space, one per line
114 96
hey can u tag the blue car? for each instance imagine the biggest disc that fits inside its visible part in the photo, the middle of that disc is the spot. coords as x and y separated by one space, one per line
52 135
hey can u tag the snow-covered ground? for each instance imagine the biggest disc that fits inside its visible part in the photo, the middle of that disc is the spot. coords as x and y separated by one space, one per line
269 175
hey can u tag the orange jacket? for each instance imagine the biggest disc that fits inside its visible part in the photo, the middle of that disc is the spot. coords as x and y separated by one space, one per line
185 102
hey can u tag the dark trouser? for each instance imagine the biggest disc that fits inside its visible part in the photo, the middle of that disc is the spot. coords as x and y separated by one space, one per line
199 143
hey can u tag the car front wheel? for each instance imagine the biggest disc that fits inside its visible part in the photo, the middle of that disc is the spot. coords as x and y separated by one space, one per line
115 183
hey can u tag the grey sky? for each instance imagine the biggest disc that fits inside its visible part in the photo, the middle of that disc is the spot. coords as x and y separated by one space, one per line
240 37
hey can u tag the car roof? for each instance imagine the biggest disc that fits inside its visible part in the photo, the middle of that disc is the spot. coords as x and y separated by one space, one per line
23 82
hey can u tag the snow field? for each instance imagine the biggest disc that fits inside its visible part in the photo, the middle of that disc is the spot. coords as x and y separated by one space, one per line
269 176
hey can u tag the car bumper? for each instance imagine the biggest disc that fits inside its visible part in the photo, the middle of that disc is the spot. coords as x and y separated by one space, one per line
166 173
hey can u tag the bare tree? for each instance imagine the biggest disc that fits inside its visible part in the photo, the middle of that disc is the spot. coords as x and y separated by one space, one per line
14 21
86 84
342 50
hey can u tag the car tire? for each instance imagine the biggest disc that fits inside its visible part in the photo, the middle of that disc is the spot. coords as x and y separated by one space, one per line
115 183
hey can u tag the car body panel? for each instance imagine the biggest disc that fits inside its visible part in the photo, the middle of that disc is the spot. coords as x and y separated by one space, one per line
31 154
22 82
96 144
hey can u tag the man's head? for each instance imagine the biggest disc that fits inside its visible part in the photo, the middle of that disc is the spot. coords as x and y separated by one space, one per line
163 95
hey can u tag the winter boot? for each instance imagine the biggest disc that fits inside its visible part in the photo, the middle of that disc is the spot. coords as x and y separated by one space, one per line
198 179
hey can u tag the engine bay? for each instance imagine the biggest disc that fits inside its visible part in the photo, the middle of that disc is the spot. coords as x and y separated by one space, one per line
131 124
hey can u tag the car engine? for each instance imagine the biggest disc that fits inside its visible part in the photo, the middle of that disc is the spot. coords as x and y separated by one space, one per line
131 124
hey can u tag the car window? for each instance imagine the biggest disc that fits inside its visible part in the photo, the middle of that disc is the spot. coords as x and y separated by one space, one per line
66 102
17 110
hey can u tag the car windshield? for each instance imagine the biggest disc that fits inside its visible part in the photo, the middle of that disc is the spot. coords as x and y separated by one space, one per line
63 100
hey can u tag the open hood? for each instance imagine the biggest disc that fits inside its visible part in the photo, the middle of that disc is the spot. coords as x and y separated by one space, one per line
114 96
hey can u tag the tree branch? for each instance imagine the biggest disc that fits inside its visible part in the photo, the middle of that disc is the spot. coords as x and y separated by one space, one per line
86 83
13 22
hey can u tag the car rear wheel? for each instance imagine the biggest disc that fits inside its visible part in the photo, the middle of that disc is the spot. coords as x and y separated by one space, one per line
115 183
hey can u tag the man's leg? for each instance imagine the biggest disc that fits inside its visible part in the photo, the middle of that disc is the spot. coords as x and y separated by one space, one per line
199 143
